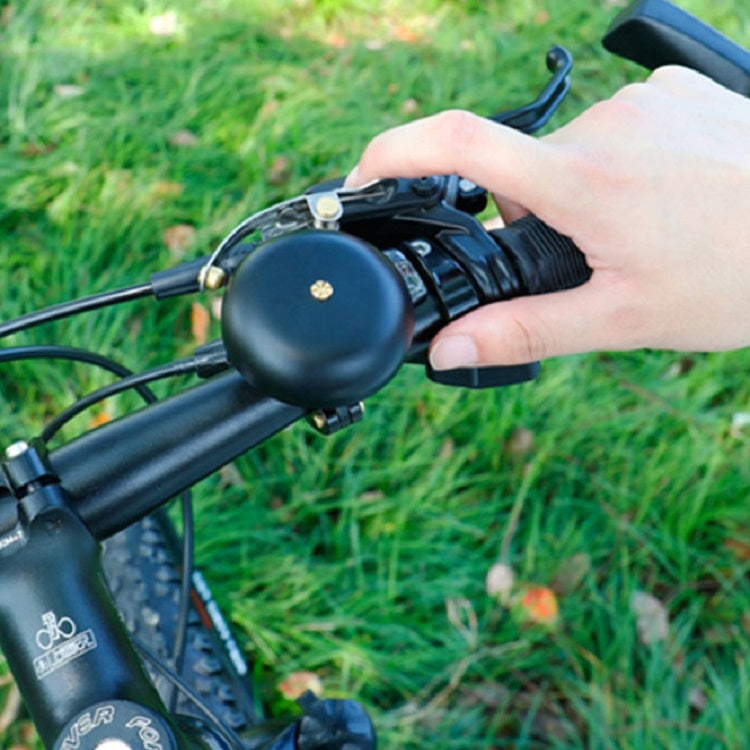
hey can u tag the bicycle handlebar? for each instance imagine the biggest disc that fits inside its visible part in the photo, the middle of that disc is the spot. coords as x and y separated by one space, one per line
126 469
323 317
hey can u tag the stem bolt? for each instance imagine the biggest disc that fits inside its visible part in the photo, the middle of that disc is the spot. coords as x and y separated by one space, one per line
14 450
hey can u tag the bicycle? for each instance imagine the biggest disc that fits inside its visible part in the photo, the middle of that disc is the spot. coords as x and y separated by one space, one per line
346 285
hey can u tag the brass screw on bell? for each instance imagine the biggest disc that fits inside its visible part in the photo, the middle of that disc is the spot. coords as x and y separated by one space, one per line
212 277
321 290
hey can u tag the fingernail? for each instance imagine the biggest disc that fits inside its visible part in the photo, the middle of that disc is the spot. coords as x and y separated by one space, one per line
352 179
454 351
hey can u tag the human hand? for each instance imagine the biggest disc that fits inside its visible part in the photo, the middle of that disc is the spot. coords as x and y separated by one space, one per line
653 185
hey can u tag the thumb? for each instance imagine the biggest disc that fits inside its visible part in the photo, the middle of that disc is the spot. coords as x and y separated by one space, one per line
527 329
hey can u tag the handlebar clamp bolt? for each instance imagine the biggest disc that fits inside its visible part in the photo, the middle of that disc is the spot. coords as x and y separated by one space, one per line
14 450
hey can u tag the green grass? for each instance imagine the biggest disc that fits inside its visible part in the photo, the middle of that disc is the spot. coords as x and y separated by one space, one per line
362 557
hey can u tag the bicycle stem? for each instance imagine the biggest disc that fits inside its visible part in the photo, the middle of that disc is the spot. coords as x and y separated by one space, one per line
66 644
63 638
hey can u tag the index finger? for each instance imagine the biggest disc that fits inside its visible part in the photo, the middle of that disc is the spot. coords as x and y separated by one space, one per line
500 159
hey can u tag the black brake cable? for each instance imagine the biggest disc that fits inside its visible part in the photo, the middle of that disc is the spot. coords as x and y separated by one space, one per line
171 282
186 582
181 367
66 309
180 684
75 354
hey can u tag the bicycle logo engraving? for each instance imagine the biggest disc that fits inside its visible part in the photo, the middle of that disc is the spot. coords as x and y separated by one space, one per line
54 630
61 642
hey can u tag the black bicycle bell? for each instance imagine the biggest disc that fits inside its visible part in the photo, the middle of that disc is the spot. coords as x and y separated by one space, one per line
317 318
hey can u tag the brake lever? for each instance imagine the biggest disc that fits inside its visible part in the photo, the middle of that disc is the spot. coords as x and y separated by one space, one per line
532 117
324 206
319 209
653 33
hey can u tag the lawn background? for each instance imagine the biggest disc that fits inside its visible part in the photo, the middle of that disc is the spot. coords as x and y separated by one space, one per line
363 557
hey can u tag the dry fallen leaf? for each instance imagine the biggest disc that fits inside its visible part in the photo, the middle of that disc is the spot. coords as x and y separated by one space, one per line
280 170
371 496
200 320
69 90
298 683
521 442
499 581
740 423
167 187
698 699
230 476
31 150
409 106
550 725
164 25
740 548
571 572
183 138
539 605
681 367
99 419
720 635
178 239
336 39
651 615
406 34
447 449
6 14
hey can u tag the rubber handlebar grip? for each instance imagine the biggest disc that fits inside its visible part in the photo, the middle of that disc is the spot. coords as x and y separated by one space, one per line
544 259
